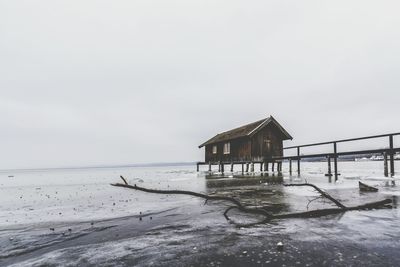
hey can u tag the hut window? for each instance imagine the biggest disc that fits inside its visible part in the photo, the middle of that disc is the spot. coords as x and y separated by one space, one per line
214 149
227 148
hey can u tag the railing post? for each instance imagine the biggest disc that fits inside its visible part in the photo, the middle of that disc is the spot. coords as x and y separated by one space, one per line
391 155
298 161
335 160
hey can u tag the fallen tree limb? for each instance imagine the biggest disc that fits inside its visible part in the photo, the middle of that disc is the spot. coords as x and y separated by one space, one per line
239 205
323 193
325 212
259 211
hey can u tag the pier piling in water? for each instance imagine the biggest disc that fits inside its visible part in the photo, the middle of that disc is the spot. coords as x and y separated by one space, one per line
298 161
335 157
329 167
391 155
385 165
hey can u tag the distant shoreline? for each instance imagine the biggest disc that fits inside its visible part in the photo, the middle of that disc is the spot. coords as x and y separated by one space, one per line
159 164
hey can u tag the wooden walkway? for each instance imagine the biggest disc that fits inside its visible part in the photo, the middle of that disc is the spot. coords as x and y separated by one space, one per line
390 151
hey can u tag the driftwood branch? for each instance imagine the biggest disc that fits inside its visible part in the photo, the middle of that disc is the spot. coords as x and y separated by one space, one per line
259 211
207 198
322 193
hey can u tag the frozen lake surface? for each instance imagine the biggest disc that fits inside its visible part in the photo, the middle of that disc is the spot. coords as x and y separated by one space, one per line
73 217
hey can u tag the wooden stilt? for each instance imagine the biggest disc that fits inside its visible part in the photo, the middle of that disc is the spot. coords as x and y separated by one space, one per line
247 167
222 168
209 166
391 155
232 167
385 165
261 166
335 161
298 161
329 166
242 168
198 167
290 166
266 166
273 166
219 166
252 167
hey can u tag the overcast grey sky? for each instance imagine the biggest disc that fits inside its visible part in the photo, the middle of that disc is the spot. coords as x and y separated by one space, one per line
119 82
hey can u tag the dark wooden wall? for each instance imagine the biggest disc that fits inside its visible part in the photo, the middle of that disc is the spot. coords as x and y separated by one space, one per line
247 149
261 150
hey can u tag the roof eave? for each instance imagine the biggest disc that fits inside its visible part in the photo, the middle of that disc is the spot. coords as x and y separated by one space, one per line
268 121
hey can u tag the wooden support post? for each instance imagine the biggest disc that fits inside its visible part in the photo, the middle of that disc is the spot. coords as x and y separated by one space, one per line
261 166
391 155
329 166
273 166
222 168
265 165
209 166
335 160
219 166
242 168
279 167
232 167
247 167
385 165
252 167
198 168
298 161
290 166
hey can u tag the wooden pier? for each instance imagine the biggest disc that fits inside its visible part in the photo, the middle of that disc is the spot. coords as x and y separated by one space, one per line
390 151
388 157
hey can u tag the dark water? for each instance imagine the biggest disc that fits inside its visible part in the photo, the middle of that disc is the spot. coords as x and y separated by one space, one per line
100 225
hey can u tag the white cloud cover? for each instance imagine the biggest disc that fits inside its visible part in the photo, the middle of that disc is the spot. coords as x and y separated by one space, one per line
117 82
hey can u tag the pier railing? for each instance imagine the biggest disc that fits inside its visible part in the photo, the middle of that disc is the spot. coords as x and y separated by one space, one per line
386 152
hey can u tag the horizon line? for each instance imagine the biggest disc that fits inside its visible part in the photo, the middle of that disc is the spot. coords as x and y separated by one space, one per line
134 165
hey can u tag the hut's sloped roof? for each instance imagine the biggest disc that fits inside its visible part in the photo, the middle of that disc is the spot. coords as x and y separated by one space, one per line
246 130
